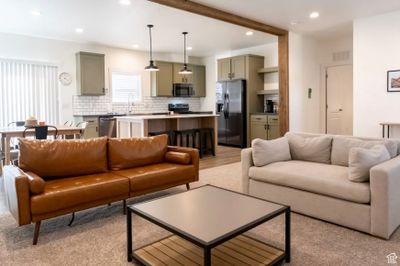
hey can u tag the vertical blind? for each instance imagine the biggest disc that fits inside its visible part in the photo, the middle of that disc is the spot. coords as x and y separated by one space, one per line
28 89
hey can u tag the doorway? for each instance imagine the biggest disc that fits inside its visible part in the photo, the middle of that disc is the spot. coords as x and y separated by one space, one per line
339 100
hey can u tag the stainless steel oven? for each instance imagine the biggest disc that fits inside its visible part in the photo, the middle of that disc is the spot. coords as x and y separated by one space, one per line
183 90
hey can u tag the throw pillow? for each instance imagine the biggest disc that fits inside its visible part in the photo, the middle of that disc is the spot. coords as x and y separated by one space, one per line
341 146
314 149
270 151
361 160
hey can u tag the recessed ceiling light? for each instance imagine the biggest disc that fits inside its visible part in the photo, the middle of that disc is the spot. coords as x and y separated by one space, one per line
125 2
314 15
79 30
249 33
135 46
189 48
36 13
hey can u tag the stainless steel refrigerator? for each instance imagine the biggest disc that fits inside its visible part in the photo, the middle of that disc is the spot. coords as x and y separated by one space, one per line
231 108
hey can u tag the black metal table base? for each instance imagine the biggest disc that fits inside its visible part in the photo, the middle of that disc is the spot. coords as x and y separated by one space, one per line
207 250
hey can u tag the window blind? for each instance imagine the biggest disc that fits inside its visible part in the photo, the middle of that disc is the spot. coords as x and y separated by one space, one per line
28 89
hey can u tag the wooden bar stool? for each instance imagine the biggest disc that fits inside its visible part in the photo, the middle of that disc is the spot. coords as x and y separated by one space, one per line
206 136
188 135
169 133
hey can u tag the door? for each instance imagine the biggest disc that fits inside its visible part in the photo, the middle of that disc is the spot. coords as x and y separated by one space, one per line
224 69
235 110
273 127
258 130
162 79
221 111
238 67
339 100
199 81
92 73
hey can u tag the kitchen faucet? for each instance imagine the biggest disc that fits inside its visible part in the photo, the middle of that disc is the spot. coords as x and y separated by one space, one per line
130 104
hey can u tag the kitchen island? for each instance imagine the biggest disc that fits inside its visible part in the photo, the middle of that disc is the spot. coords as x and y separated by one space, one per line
141 125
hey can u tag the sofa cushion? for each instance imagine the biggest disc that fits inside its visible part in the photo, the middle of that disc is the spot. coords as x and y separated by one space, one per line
341 146
311 148
134 152
270 151
361 160
63 158
69 192
178 157
323 179
151 177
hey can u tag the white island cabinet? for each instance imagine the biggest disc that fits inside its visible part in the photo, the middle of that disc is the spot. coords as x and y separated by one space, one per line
141 125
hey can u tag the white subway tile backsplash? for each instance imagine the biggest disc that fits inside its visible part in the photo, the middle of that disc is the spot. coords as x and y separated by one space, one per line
86 105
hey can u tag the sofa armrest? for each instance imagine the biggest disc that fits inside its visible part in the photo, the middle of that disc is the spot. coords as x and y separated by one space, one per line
194 154
36 183
247 162
385 197
16 187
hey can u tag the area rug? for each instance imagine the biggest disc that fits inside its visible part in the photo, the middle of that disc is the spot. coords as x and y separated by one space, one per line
97 236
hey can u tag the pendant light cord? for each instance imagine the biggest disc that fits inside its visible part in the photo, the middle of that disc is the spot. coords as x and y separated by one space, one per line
184 48
151 41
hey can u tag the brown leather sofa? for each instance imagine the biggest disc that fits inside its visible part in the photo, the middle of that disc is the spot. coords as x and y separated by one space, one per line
64 176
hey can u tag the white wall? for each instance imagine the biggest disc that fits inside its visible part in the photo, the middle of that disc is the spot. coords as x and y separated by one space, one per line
327 48
376 50
62 53
304 73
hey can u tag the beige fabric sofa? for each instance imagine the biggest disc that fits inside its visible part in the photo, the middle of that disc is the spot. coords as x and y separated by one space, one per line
324 191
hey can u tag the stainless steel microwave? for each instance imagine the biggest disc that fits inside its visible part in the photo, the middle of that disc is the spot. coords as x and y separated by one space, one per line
183 90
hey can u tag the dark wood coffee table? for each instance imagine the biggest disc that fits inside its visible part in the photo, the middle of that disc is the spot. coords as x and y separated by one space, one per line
208 225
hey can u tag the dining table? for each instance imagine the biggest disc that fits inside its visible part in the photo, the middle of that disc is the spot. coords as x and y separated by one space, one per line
8 133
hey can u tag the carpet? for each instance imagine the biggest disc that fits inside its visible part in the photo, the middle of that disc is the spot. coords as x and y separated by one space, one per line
97 236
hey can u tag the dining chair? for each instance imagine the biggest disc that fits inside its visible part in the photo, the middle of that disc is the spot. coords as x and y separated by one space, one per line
68 123
41 132
83 125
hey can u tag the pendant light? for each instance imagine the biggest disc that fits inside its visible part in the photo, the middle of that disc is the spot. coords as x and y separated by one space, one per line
151 66
185 69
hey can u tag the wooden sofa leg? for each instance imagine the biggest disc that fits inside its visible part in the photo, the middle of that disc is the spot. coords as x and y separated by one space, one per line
188 186
36 234
124 206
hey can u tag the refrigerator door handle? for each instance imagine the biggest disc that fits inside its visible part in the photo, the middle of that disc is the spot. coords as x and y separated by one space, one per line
227 105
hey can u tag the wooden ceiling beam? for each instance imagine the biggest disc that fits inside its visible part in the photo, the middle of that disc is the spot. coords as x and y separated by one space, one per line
218 14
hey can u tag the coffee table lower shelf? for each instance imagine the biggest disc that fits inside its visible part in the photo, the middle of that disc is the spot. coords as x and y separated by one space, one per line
241 250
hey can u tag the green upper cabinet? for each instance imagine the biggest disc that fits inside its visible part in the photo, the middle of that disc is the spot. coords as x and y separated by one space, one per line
162 80
232 68
90 76
182 78
199 80
224 69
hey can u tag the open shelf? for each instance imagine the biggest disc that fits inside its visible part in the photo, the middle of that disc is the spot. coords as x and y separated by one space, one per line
238 251
268 70
267 92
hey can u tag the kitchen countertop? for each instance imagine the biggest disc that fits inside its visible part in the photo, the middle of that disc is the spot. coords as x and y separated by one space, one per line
104 114
152 117
264 114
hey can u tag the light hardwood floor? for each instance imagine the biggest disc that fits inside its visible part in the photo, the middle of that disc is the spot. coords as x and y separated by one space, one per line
224 155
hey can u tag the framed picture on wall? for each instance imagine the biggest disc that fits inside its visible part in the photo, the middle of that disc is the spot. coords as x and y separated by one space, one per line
393 81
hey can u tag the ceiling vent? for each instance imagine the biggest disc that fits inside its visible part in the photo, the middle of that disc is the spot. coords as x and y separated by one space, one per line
341 56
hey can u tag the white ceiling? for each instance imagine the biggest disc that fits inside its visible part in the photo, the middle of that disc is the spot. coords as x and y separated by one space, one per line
335 19
108 23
